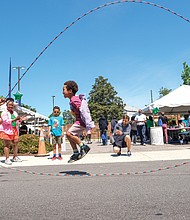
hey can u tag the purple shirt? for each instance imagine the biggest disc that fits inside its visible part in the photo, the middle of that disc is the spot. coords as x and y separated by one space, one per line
75 104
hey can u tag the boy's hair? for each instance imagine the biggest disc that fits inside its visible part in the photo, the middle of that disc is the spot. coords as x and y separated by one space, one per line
56 107
72 85
126 117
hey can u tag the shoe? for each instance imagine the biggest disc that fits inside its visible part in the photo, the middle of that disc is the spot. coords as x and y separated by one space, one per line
60 158
53 158
119 153
84 150
16 159
8 161
74 157
129 153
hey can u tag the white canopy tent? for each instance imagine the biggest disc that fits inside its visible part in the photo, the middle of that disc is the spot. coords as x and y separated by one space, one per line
176 102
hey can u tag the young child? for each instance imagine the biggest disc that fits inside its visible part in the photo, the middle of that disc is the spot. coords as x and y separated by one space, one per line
9 131
70 89
56 130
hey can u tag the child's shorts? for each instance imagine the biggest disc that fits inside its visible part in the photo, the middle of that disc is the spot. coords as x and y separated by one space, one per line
76 130
56 139
8 137
119 141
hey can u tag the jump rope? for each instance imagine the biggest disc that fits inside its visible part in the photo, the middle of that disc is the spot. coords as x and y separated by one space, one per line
89 12
85 174
67 27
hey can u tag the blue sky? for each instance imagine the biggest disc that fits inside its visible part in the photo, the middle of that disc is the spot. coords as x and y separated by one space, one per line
138 47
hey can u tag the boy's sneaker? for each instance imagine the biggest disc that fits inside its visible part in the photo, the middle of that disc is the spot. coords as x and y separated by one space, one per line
8 161
74 157
60 158
119 153
84 150
129 153
16 159
53 158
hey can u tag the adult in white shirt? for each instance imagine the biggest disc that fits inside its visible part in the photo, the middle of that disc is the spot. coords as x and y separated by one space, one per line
141 127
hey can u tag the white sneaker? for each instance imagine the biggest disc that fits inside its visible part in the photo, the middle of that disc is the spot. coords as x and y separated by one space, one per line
16 159
8 161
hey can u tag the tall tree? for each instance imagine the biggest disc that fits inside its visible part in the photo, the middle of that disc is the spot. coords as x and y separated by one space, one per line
186 74
68 117
103 99
164 91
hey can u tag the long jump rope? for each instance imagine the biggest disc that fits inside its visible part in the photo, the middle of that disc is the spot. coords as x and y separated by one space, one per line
67 27
89 12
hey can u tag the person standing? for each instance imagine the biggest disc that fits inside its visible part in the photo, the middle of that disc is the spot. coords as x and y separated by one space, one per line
149 124
56 130
133 133
164 122
23 129
141 127
189 117
9 131
70 89
103 126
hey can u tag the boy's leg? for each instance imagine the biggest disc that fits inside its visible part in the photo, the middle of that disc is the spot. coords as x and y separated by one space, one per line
128 143
59 147
15 148
54 147
73 135
6 148
117 150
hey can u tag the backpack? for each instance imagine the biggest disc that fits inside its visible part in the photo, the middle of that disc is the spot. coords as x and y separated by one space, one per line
85 113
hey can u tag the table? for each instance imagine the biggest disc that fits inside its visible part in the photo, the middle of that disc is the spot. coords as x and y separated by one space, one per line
173 134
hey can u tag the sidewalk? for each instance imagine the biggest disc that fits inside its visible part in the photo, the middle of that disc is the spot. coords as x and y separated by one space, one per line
104 154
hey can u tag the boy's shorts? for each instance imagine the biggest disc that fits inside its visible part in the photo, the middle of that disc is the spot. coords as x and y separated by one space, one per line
76 130
119 141
56 140
6 137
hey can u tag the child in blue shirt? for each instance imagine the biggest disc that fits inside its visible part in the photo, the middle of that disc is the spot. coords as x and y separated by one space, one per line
56 130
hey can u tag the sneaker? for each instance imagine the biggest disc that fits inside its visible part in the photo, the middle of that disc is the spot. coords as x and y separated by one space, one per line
60 158
84 150
119 153
16 159
53 158
129 153
8 161
74 157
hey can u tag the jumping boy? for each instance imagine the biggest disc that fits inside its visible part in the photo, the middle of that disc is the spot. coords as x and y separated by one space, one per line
70 88
56 130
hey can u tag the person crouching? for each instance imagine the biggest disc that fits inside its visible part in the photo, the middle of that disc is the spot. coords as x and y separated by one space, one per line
122 136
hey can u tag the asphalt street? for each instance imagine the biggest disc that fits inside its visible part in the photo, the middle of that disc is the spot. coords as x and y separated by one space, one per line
151 184
142 190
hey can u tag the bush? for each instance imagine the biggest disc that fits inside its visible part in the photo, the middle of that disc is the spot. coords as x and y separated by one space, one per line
28 144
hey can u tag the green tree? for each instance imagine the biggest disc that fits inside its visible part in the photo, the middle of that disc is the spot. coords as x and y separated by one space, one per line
164 91
68 117
186 74
103 99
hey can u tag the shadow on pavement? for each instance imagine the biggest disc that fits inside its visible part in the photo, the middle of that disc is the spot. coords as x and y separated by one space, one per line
75 172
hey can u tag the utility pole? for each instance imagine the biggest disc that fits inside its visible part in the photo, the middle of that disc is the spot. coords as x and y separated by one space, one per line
151 96
53 97
19 68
